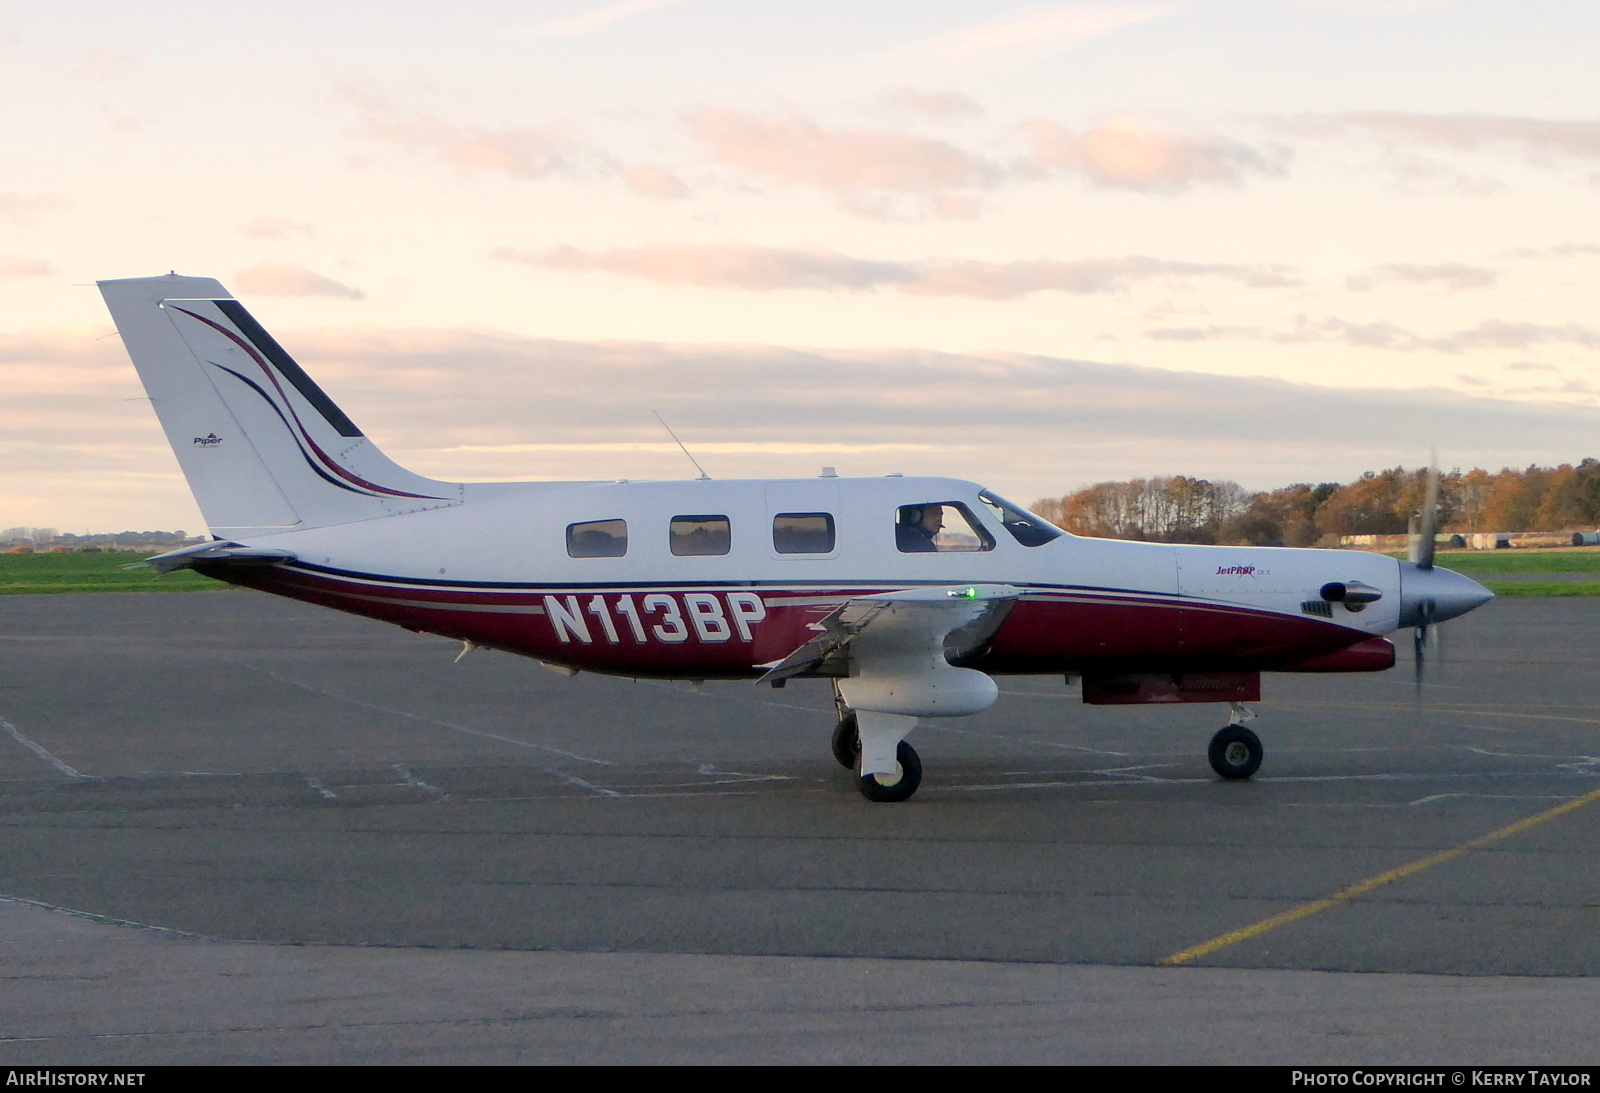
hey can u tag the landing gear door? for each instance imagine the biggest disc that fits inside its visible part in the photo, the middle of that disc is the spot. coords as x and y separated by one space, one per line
803 519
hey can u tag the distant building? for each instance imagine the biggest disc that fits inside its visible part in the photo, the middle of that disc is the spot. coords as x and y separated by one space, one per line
151 542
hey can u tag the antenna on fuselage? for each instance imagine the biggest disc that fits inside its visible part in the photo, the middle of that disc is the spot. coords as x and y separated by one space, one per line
704 477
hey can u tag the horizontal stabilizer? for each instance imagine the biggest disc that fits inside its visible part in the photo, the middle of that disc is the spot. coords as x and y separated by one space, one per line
234 553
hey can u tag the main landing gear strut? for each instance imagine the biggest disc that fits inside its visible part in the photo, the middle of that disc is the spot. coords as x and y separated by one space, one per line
882 788
1235 751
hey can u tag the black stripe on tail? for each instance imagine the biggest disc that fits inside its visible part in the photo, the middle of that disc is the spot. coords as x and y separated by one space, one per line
270 349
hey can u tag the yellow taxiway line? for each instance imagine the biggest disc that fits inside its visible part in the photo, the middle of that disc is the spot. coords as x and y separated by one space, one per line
1361 888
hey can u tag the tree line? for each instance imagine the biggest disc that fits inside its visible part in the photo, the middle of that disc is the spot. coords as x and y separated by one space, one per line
1192 510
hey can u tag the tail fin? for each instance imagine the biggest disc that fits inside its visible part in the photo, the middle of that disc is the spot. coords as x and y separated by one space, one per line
263 448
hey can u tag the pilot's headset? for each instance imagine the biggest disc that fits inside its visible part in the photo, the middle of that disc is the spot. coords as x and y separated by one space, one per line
911 515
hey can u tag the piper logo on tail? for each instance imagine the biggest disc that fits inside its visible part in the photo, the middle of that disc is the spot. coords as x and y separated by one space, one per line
210 440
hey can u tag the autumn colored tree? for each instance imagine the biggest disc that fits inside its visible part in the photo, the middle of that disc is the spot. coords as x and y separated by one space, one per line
1470 493
1285 517
1193 510
1374 504
1176 510
1572 497
1513 503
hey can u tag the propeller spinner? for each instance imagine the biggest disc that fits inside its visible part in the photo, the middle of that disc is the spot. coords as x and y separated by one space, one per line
1429 596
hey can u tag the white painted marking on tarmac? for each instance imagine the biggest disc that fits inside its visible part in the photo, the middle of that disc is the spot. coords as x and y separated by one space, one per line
1026 740
39 750
1398 777
107 920
327 794
1576 763
1133 781
1127 772
719 778
739 775
1493 797
674 789
1398 681
1097 783
417 783
693 793
725 696
574 780
428 720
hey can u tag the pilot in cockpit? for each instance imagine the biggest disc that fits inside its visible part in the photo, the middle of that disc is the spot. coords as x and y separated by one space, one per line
915 527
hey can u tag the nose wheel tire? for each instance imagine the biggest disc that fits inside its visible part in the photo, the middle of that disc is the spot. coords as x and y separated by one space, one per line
888 789
1235 752
847 742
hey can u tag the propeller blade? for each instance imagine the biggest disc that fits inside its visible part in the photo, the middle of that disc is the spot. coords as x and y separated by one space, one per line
1426 634
1421 547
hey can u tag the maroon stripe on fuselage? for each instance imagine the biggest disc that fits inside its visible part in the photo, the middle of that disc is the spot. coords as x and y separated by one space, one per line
1047 631
1048 634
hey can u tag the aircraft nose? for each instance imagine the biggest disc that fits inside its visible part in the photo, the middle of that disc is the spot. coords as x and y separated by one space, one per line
1449 594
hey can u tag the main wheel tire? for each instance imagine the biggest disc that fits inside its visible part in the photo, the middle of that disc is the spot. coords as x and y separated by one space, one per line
878 787
1235 752
847 742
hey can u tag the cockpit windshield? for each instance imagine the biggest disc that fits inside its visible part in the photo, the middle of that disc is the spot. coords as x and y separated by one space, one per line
1024 526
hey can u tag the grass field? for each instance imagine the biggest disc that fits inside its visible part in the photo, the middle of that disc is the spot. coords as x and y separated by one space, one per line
1570 560
32 574
1485 565
1543 588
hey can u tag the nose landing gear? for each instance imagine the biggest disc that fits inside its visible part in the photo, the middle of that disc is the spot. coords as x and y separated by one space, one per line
1235 751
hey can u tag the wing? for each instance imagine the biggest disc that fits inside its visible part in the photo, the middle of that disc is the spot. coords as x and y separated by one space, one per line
918 624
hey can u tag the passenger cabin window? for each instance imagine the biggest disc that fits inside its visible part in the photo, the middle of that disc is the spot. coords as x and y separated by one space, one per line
1023 526
698 536
802 533
939 527
598 539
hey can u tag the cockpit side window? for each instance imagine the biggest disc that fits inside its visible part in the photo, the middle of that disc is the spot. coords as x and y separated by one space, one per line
598 539
700 536
1023 526
939 527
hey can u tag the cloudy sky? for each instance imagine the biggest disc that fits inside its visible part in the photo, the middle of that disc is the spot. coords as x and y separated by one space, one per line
1037 245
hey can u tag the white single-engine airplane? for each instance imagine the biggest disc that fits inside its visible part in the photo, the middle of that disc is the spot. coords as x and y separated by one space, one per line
910 594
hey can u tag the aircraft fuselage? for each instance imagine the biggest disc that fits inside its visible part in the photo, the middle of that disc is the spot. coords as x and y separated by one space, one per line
498 571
